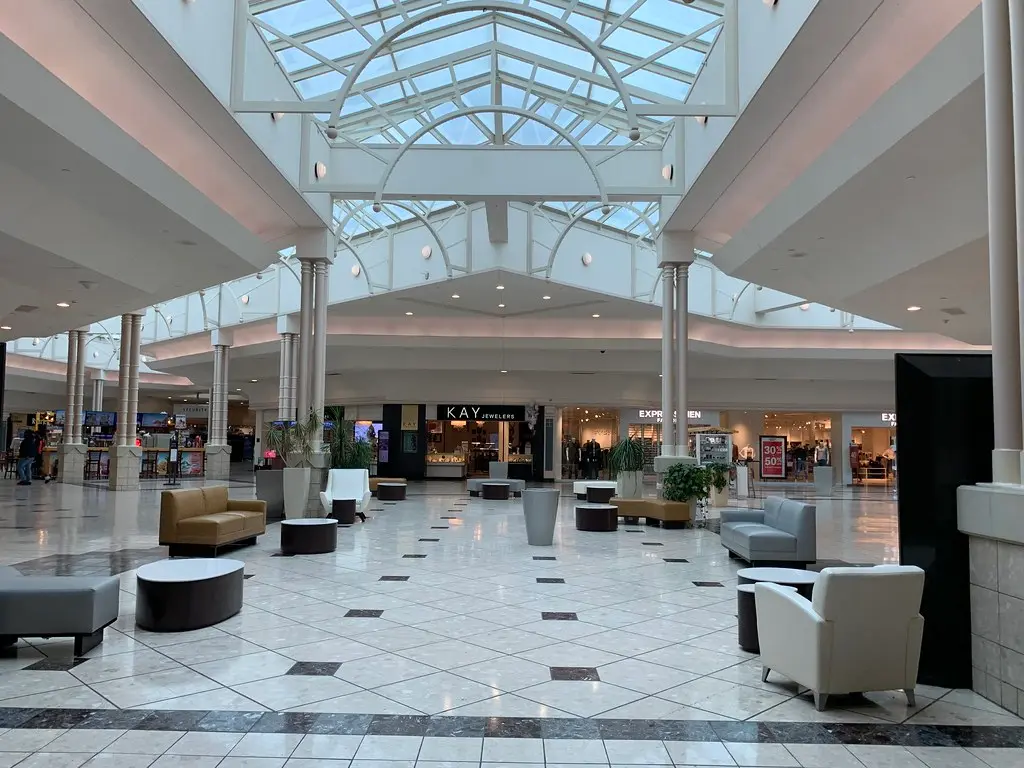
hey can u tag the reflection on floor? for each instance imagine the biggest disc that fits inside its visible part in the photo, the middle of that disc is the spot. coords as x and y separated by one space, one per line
633 663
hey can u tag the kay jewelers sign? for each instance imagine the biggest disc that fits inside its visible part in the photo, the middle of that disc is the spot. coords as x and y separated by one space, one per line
467 412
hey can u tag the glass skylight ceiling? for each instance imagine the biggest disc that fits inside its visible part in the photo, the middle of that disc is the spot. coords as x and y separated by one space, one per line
476 58
624 217
361 219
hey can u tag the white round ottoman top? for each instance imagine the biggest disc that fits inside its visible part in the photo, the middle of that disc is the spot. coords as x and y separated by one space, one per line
311 521
783 576
191 569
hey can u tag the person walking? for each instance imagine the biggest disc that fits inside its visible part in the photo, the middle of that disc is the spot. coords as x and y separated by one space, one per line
27 453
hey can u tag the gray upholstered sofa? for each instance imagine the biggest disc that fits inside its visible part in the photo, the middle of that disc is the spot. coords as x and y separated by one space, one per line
785 531
57 606
496 470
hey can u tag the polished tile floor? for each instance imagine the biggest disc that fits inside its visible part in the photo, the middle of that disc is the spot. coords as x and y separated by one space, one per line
601 650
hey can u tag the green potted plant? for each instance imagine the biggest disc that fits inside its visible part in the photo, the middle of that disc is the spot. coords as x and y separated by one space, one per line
719 475
295 444
626 462
687 483
346 452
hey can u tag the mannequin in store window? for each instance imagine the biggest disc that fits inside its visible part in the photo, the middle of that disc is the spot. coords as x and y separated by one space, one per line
821 454
591 459
855 462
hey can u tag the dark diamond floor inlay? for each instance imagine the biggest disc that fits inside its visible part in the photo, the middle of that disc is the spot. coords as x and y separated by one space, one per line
586 674
55 665
248 575
675 560
652 543
708 584
550 581
449 517
558 616
393 578
439 527
314 668
363 613
542 557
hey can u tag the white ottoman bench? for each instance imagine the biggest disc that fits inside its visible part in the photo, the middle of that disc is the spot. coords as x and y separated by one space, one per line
57 606
579 487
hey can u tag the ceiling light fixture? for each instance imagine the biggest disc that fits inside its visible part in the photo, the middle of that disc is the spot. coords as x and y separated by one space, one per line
805 307
499 287
587 258
408 314
319 169
503 371
5 327
595 315
456 296
245 299
356 269
546 298
501 306
238 390
914 308
668 172
275 116
63 304
253 380
426 251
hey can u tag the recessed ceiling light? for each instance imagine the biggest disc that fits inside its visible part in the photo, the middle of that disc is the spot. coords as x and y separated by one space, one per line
455 296
914 308
408 314
245 299
186 399
595 315
253 380
805 307
546 298
503 371
356 269
5 327
63 304
238 390
501 306
499 287
170 398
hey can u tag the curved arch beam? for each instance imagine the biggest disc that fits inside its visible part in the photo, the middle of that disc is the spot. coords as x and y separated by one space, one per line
491 108
408 209
487 5
580 216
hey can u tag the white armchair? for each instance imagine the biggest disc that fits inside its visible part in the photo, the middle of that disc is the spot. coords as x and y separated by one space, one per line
347 484
862 631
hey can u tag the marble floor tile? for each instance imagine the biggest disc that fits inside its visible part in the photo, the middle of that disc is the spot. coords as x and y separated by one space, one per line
513 751
291 691
575 751
761 755
701 753
643 676
266 745
205 744
885 757
506 674
156 686
583 699
327 747
439 692
389 748
144 742
823 756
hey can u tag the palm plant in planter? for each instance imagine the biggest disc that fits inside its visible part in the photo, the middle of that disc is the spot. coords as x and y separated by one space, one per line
626 462
345 450
296 443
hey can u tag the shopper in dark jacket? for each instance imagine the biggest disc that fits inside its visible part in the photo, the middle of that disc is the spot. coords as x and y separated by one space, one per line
27 454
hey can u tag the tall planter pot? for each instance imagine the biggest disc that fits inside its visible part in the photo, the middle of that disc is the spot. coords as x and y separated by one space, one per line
720 498
270 488
629 485
296 491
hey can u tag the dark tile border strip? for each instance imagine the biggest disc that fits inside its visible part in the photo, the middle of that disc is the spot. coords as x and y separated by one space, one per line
518 727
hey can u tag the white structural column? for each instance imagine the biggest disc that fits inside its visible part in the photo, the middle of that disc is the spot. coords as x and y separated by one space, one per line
303 362
320 300
122 378
283 377
682 340
125 458
1002 243
218 452
1016 24
82 340
72 378
668 407
97 392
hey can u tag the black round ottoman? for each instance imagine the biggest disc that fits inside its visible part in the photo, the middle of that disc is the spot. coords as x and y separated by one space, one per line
597 517
344 511
495 491
746 615
309 536
181 595
597 494
391 491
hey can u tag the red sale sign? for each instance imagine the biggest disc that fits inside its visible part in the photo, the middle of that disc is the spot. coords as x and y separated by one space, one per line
773 457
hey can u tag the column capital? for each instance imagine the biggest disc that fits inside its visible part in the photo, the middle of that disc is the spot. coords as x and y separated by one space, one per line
675 248
287 324
315 245
222 338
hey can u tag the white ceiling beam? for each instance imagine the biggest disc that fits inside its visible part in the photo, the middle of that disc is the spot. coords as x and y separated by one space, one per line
497 220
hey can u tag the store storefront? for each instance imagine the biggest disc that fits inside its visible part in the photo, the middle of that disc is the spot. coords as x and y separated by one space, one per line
869 448
588 433
645 424
798 442
463 439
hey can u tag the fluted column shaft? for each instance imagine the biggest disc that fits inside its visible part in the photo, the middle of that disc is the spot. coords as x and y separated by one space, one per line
319 375
82 340
682 329
72 372
133 379
97 394
668 441
283 376
122 379
304 363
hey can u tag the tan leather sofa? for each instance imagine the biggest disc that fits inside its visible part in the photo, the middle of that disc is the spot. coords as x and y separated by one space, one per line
201 521
669 513
375 480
